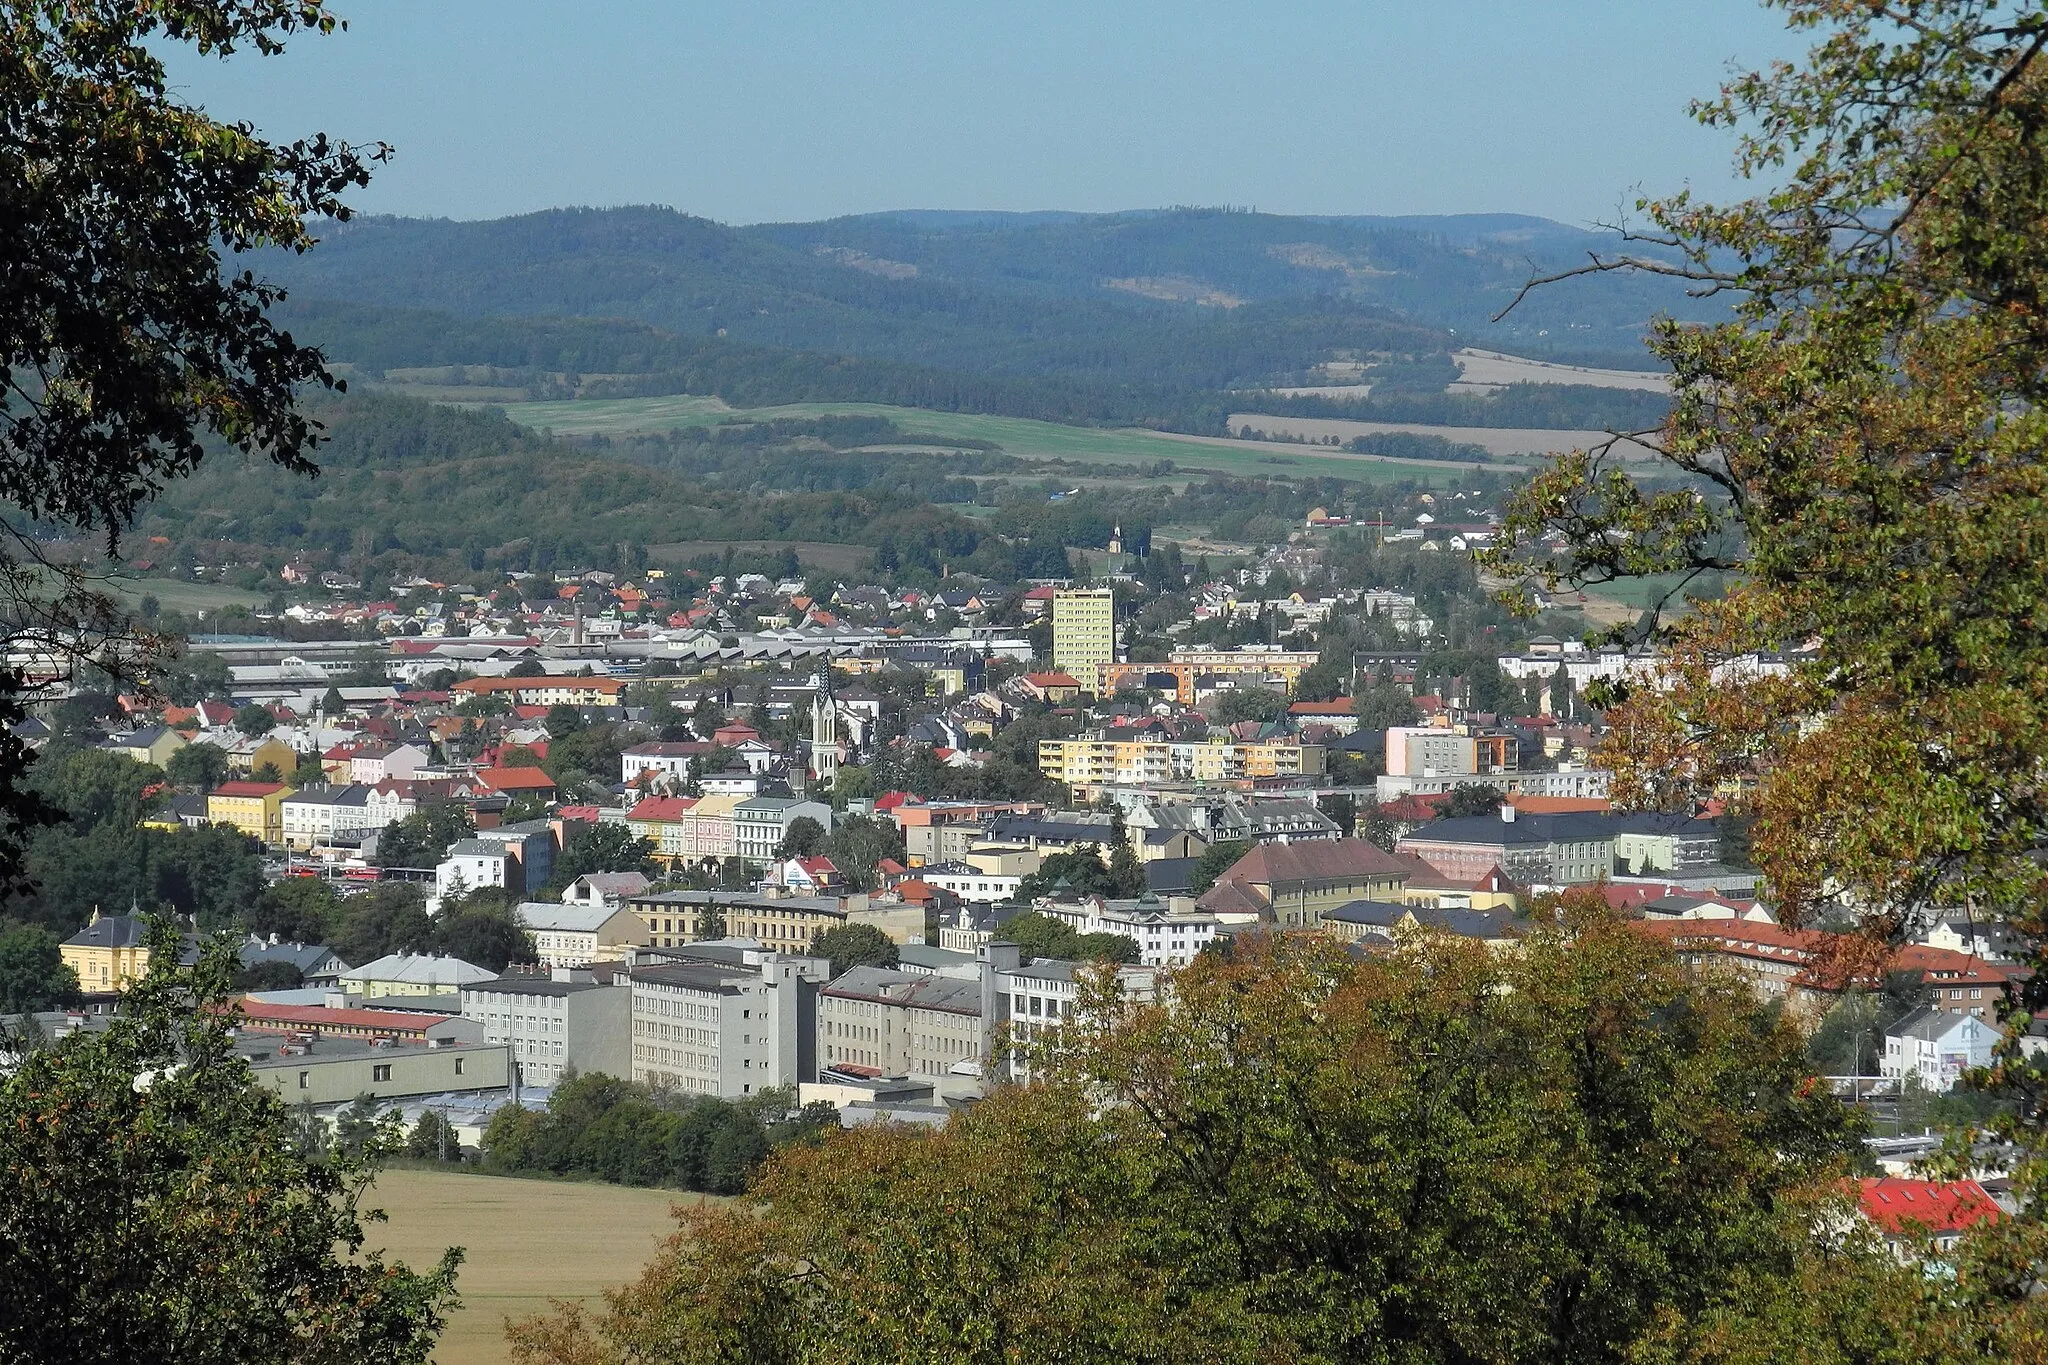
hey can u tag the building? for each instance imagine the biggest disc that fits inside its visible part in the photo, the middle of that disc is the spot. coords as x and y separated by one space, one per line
781 922
1083 631
255 808
759 823
1291 885
1911 1213
374 763
552 1024
315 817
970 883
109 954
316 963
1093 762
1182 829
1165 938
660 758
1532 850
401 974
1380 923
1252 665
733 1028
152 745
1934 1047
1029 1001
579 935
474 863
897 1023
547 690
328 1071
941 831
531 843
604 888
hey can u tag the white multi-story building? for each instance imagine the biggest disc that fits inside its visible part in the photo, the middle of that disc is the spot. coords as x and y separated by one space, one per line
732 1027
553 1023
317 816
1164 939
759 824
970 883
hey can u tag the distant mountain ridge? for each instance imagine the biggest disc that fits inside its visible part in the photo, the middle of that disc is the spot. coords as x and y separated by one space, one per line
1189 297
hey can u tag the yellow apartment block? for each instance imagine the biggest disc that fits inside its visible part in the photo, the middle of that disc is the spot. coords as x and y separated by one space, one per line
252 807
1083 631
1137 763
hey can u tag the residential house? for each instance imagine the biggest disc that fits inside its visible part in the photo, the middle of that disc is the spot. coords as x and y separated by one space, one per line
475 863
403 974
532 843
1914 1213
316 963
153 745
580 935
109 954
374 763
1165 938
605 888
1381 922
249 755
659 820
662 758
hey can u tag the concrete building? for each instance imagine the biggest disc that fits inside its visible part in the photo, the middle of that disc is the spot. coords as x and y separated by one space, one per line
532 843
1165 938
1083 631
1094 762
473 863
335 1071
1292 884
896 1023
565 1020
732 1028
580 935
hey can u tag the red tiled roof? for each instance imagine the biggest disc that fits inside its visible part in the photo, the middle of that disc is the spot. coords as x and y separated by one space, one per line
1897 1204
516 779
259 1014
662 808
248 788
1051 679
1338 706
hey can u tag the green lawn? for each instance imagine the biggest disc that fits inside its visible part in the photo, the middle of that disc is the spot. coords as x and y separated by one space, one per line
177 595
1018 436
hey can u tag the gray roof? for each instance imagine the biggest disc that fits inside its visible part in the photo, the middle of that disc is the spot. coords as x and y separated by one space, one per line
307 957
1931 1025
1463 923
420 969
696 976
476 848
907 989
529 983
111 931
351 794
575 919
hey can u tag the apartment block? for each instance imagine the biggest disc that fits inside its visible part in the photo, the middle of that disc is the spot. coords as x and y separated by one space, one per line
1083 631
550 1024
731 1027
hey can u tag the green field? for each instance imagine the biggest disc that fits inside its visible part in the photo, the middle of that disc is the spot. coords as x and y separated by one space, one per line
1018 436
524 1243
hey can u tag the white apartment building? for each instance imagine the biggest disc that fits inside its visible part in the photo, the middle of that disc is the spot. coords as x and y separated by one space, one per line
970 883
553 1023
1164 939
758 824
318 816
386 762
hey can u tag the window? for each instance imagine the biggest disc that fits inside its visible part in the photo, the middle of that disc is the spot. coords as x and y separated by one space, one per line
380 1073
458 1065
305 1080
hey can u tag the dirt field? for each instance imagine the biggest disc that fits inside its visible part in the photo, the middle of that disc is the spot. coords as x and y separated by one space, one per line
1492 368
526 1242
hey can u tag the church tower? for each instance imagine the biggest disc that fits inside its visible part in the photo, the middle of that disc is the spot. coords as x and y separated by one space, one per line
824 731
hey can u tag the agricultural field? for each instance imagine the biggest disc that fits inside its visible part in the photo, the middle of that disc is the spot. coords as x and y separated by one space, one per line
1019 436
1500 442
525 1242
178 595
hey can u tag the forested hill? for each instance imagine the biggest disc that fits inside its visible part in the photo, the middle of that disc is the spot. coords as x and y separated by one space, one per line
1202 300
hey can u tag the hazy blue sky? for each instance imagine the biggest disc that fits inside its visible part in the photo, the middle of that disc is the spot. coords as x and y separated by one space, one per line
753 110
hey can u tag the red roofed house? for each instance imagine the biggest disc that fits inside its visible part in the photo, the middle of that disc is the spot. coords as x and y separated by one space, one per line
805 876
1052 687
518 782
659 819
1907 1210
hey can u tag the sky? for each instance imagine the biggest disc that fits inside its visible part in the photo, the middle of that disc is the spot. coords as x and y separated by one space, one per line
786 110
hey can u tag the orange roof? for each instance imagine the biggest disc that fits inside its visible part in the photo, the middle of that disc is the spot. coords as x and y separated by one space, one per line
1897 1204
1557 805
662 808
1051 679
516 779
1337 706
258 1014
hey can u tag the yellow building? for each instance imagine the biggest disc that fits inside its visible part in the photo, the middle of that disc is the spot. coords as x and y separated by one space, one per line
250 754
108 955
154 745
1088 763
1083 631
255 808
